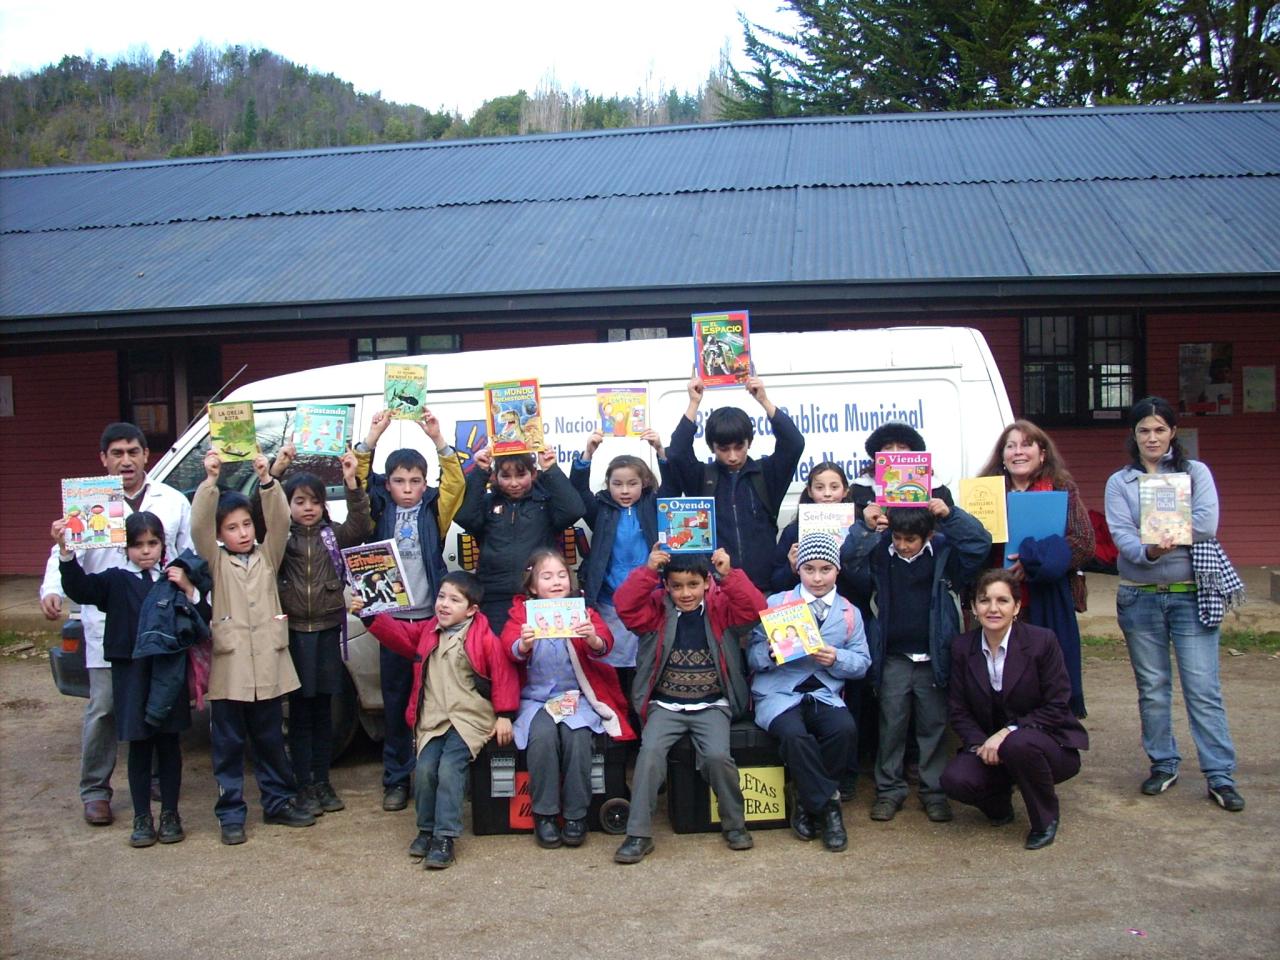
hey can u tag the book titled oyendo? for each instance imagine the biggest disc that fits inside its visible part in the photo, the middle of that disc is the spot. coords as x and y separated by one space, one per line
376 575
232 432
791 630
514 413
94 511
1165 508
722 347
687 524
404 389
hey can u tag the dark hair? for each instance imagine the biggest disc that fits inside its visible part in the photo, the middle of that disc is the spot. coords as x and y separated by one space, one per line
647 480
144 521
996 575
1053 468
406 458
229 502
1154 407
729 425
698 563
523 462
826 466
911 521
311 484
536 560
467 584
122 431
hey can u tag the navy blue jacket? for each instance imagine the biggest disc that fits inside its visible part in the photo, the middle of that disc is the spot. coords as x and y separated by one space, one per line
168 624
383 509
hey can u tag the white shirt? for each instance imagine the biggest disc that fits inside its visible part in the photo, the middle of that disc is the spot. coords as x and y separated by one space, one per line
174 511
893 552
995 663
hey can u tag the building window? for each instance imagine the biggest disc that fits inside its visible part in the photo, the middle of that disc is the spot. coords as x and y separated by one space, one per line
379 348
1080 369
146 378
619 334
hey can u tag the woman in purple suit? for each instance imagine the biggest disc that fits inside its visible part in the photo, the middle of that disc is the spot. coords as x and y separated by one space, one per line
1009 696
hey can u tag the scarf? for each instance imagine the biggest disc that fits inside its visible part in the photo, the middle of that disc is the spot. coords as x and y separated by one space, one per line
1218 586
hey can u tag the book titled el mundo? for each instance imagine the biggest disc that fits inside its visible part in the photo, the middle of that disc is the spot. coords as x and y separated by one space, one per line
791 630
93 508
376 574
404 389
514 413
623 410
1165 508
231 431
722 347
903 478
687 524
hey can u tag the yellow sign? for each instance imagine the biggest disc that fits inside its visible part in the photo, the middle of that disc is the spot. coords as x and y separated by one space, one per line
763 794
984 498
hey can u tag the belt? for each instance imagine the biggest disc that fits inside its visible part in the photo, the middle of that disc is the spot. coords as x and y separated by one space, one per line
1167 588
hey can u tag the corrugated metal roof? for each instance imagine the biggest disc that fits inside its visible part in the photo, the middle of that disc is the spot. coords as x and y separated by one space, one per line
1041 194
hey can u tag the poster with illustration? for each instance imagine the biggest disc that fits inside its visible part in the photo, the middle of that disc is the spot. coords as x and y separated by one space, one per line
1204 378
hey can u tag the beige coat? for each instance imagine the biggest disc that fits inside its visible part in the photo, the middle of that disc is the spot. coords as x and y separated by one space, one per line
250 634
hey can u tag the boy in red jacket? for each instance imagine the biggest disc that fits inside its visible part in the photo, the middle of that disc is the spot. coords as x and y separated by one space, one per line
468 692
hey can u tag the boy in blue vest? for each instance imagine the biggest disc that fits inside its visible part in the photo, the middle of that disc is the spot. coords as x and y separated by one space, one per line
415 515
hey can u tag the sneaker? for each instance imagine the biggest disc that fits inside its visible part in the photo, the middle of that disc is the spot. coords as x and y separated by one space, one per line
171 827
307 800
144 831
421 844
290 815
738 840
439 855
233 833
1227 798
938 811
330 802
395 797
885 809
633 850
1159 782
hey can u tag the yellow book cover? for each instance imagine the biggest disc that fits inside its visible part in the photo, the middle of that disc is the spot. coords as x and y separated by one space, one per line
984 498
792 631
231 431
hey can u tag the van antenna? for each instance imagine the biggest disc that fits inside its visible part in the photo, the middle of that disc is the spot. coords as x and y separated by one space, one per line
217 393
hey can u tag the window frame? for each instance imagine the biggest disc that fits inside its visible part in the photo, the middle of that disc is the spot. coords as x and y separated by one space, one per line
1088 377
413 344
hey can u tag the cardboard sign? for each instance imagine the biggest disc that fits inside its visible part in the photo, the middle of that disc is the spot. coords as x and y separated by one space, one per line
764 794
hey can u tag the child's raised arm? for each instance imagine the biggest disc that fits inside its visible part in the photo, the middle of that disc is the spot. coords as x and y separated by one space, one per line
284 459
204 510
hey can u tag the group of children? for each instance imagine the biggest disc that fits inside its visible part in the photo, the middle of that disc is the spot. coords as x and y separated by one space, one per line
671 644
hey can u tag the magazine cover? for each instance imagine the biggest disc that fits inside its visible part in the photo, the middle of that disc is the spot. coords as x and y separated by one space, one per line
1165 507
830 518
904 479
375 574
231 431
722 348
320 431
687 524
623 411
792 631
94 510
983 497
405 390
514 413
555 618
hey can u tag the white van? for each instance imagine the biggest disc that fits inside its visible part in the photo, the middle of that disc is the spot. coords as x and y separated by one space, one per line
837 386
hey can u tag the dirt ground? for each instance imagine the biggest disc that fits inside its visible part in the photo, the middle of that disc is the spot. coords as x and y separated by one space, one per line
1129 876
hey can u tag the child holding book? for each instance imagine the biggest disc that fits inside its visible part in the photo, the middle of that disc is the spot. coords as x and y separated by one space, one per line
748 492
572 677
312 576
513 505
465 691
827 483
915 569
152 728
406 509
251 670
689 679
801 701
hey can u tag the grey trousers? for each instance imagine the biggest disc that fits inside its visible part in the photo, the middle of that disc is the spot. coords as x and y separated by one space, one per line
98 738
907 688
556 755
709 730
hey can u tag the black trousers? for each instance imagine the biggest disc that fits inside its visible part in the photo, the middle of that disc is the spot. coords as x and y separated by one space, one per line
231 723
1029 759
398 757
816 742
167 751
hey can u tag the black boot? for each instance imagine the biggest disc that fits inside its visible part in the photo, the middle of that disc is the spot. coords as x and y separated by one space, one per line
834 837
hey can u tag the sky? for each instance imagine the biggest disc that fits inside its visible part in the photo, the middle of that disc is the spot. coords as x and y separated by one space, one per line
452 55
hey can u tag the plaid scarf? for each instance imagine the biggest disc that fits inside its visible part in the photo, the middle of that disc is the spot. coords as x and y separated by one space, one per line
1218 586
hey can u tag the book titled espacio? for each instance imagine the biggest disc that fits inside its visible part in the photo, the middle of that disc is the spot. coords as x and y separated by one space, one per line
687 524
722 347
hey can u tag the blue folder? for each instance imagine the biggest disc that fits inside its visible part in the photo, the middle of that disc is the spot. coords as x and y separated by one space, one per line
1036 514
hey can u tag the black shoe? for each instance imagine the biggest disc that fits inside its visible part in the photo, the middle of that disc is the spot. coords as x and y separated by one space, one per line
738 839
233 833
885 809
1037 839
848 789
290 815
439 854
330 802
1159 782
1227 798
938 810
546 831
171 827
395 797
633 850
802 822
307 800
144 831
1002 819
574 832
834 837
421 844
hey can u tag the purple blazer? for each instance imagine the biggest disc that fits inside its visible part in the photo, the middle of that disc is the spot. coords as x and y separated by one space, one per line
1036 688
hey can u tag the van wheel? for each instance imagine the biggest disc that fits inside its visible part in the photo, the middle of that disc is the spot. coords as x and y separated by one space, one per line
346 719
613 815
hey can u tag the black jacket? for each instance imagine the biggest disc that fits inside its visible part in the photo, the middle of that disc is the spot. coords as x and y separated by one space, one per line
168 624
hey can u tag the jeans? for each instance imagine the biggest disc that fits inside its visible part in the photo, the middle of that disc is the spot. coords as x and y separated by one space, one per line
98 744
439 782
397 742
1151 621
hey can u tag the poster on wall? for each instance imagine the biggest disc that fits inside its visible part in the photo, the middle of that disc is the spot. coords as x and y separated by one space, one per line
1259 389
1204 378
1189 437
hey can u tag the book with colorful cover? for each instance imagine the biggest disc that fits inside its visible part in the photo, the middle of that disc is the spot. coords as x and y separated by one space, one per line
722 347
404 389
94 510
232 432
1036 514
904 478
791 630
320 431
687 524
376 574
514 413
830 518
555 617
623 411
1165 508
983 497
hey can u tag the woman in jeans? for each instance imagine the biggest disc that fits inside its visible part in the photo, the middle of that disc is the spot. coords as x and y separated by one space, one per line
1157 605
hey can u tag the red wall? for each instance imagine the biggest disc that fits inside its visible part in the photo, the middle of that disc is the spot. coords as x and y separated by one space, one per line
271 358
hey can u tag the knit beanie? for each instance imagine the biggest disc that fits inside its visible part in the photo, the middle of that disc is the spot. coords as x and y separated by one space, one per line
894 433
818 546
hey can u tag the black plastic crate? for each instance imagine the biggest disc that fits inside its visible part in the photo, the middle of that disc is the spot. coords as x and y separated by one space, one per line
691 806
500 800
